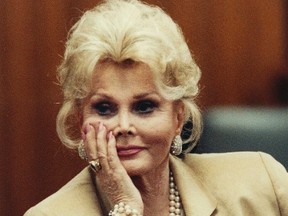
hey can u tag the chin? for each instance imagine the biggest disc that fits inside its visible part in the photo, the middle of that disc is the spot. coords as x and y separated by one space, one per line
135 168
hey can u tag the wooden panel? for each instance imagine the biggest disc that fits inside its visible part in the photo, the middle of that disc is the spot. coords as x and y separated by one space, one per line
239 46
246 49
20 102
32 152
4 136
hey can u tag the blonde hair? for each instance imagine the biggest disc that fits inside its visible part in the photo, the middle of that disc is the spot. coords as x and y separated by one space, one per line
121 30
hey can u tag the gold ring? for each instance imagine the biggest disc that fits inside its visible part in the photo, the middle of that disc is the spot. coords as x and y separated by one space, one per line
95 165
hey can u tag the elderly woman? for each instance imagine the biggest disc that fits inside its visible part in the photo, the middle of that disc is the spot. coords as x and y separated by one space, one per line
130 83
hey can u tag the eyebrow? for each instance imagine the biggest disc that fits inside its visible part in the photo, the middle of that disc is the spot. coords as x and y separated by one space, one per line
143 95
136 97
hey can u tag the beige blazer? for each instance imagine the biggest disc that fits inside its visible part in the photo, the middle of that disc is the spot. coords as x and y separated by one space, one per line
230 184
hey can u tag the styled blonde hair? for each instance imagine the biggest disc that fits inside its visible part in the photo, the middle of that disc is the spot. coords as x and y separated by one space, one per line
121 30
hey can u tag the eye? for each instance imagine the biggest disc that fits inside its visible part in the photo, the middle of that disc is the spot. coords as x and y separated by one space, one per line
104 108
145 107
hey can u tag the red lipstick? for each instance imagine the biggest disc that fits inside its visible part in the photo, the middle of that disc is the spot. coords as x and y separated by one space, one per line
128 151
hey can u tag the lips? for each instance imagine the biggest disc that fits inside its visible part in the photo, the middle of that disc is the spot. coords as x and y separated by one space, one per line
128 151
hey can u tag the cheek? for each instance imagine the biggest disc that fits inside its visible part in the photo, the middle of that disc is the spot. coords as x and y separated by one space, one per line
95 120
158 138
158 132
89 119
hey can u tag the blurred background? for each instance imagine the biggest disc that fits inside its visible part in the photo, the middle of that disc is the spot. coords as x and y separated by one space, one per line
240 45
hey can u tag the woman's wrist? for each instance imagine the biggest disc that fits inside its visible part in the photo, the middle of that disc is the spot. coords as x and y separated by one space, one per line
123 209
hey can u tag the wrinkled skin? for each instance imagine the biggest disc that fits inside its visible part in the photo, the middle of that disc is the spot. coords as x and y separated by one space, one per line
129 127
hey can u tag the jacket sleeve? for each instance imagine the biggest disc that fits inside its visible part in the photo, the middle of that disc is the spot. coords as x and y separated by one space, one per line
279 179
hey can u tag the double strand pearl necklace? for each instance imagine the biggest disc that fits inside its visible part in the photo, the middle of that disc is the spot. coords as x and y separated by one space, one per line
174 198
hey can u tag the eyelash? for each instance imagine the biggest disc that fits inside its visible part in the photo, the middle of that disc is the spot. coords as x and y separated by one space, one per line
144 107
148 105
104 108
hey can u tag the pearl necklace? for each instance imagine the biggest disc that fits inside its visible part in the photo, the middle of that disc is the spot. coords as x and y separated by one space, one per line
174 198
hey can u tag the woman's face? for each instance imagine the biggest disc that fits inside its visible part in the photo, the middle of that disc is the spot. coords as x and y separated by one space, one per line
125 99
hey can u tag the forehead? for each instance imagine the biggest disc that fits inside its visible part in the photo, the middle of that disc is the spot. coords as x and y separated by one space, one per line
109 75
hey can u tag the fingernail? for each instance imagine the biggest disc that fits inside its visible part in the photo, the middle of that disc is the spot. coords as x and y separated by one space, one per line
83 135
89 127
111 135
86 128
101 127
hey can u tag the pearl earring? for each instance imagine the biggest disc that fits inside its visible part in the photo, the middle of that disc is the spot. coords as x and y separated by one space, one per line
176 147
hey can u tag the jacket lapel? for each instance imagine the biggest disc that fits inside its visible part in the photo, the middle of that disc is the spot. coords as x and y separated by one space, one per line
196 199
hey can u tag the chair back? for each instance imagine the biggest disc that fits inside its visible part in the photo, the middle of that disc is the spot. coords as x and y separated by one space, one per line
228 129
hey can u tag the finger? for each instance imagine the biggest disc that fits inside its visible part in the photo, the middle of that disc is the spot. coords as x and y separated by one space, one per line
90 143
101 146
112 155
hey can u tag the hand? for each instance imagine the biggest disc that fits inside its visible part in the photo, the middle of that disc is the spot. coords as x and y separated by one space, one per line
112 178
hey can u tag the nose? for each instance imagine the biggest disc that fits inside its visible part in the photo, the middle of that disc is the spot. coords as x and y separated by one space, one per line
124 124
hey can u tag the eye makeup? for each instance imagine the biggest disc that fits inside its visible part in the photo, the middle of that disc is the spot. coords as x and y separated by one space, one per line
145 106
103 107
